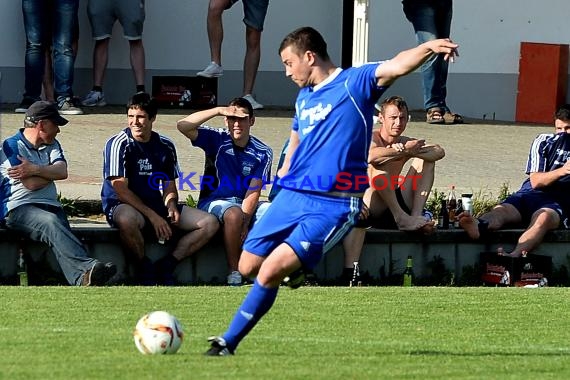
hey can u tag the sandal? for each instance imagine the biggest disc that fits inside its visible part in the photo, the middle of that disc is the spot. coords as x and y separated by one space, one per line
435 115
452 118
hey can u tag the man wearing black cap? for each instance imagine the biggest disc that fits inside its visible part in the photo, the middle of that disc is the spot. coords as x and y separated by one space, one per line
30 162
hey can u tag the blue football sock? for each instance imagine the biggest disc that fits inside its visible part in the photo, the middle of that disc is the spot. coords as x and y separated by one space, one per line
257 302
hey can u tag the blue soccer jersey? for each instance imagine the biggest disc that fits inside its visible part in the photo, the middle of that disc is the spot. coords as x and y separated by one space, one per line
12 192
549 152
146 166
334 123
234 166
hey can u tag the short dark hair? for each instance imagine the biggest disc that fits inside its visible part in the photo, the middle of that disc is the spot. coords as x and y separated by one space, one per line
397 101
306 39
145 102
563 113
242 103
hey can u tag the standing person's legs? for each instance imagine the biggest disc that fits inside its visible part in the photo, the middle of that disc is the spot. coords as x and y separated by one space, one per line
37 41
254 17
52 228
131 15
101 18
100 60
47 83
432 21
64 29
138 62
215 27
252 58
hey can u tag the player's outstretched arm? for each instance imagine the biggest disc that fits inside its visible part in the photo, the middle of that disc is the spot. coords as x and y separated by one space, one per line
409 60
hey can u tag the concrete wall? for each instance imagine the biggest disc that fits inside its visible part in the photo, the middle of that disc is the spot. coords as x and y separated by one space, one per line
482 83
382 249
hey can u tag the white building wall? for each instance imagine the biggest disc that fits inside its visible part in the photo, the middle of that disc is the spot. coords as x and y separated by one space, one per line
482 82
176 43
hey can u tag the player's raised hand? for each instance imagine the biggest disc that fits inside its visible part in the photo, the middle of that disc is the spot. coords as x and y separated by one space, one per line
444 46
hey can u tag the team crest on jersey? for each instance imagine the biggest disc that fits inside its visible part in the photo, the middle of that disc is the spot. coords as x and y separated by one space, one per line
246 170
145 167
229 151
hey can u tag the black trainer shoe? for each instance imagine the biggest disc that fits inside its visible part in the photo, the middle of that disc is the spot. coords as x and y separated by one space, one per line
218 347
295 279
24 105
165 270
99 274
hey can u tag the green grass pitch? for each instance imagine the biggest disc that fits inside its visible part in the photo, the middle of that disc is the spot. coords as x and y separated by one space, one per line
311 333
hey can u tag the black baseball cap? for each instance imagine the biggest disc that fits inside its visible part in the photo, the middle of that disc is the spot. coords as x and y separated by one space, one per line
42 110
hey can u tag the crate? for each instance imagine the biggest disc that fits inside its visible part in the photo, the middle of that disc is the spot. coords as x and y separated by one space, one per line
185 92
532 270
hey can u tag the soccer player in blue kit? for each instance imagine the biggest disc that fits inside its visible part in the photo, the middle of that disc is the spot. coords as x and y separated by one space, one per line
542 202
140 196
324 174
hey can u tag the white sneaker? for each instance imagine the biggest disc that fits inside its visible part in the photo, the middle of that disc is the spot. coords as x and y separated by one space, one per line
235 279
254 103
212 71
94 98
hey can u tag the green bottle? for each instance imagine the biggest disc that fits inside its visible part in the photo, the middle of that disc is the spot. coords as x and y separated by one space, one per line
22 268
408 273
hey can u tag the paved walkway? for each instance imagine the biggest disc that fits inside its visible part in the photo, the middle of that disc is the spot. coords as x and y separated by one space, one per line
480 155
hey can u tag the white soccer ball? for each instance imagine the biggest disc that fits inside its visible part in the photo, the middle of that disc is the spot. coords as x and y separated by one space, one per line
158 332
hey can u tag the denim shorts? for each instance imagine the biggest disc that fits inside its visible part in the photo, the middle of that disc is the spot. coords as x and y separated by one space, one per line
218 207
254 12
103 14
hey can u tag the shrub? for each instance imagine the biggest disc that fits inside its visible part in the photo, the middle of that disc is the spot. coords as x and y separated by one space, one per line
483 200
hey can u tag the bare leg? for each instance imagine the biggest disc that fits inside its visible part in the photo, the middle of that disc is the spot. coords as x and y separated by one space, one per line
386 192
130 223
542 221
137 60
499 216
202 227
216 28
232 228
100 58
469 224
352 245
252 57
416 189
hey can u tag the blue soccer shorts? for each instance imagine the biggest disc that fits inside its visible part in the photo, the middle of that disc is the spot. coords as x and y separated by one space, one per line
310 223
